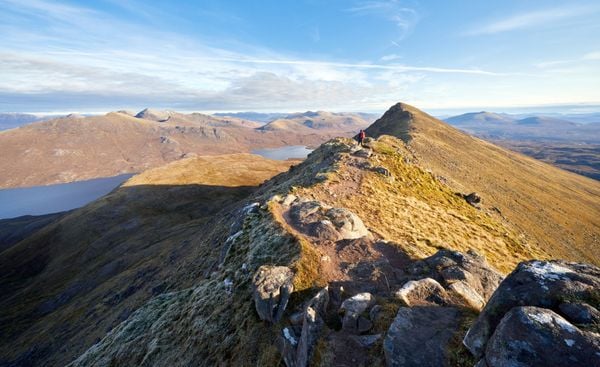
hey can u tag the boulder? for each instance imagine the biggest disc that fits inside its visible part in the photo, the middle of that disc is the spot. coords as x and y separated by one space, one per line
363 153
419 336
473 198
348 224
326 223
467 295
449 267
580 313
382 171
546 284
272 286
352 308
425 291
325 230
532 336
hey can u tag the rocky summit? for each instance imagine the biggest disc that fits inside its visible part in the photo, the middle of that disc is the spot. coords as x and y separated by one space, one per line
422 247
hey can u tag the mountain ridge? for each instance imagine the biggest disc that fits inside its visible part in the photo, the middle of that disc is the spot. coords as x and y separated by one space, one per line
346 221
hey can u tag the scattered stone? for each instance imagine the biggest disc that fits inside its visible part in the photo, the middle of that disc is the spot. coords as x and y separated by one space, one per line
473 198
419 336
532 336
272 288
289 199
467 294
580 313
352 308
546 284
382 171
422 292
366 341
374 313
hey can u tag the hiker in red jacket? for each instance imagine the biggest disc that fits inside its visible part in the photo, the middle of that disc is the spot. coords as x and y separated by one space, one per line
361 137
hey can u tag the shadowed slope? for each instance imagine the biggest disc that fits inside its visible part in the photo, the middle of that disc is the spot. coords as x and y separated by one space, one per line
68 284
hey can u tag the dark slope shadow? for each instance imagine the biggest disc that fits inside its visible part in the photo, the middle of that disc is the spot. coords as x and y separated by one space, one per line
14 230
79 276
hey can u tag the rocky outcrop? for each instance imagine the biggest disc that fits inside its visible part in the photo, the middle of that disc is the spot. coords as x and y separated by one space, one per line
326 223
555 288
272 286
419 336
533 336
467 277
297 350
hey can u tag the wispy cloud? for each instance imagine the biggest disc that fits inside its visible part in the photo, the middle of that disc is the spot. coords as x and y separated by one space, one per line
390 57
531 19
394 11
592 56
567 65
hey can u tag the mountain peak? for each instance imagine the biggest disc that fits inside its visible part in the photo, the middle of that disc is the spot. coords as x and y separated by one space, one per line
154 115
398 121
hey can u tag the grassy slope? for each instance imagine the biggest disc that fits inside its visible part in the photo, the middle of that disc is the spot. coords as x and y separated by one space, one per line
557 211
67 285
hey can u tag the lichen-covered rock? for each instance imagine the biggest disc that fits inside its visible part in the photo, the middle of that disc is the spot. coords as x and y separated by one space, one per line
326 223
352 308
532 336
272 286
449 267
348 224
580 313
419 336
546 284
422 292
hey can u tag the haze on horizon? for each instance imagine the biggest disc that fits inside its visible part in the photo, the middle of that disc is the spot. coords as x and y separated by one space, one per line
337 55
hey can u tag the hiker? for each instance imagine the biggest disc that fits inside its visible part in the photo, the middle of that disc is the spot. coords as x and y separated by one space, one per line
361 137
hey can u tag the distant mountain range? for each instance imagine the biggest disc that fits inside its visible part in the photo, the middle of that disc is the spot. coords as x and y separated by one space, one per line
76 147
319 120
491 125
12 120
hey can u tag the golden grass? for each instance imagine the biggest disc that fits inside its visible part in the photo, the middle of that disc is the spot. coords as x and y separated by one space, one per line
418 212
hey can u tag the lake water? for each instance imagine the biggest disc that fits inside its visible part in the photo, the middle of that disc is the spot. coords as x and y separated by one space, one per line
283 153
39 200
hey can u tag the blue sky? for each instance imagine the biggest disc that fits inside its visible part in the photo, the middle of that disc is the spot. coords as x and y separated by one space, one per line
297 55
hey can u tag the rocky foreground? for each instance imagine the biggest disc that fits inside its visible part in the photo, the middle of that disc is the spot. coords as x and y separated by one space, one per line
358 256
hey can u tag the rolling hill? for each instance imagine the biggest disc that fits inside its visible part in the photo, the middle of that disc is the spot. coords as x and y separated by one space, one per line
321 121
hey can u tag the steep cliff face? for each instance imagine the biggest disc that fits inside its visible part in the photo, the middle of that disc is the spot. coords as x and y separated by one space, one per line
367 255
